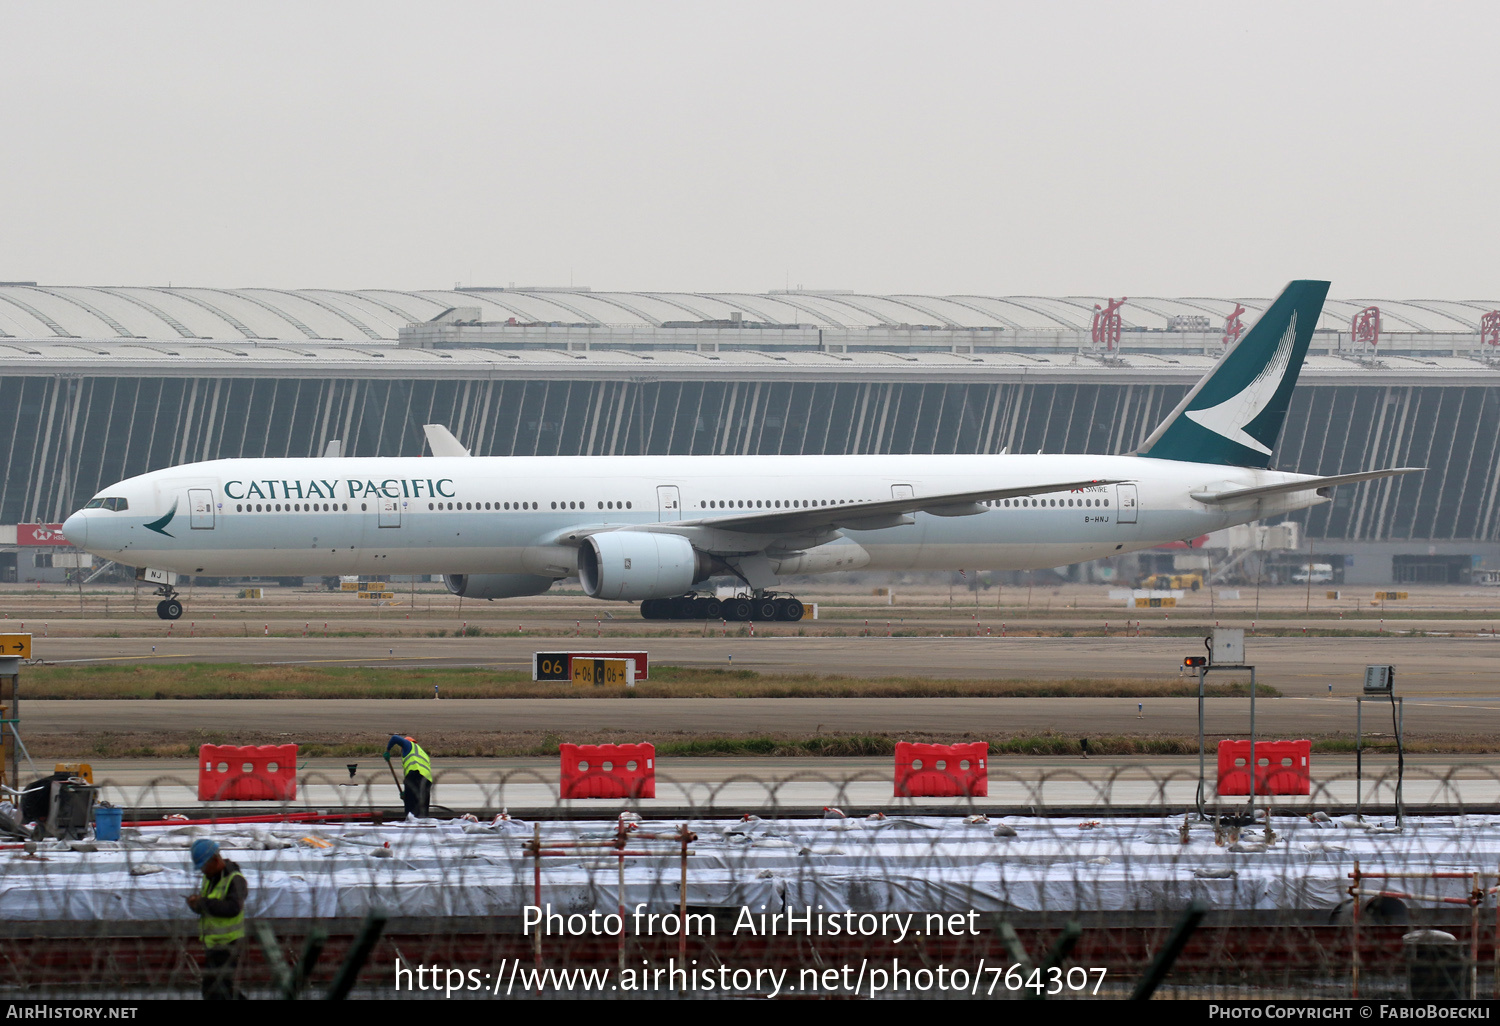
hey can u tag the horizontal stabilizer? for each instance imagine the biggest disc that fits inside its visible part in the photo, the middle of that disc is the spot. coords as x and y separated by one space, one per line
1307 484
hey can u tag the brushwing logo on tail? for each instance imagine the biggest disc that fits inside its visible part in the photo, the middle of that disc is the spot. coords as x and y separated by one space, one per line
1229 418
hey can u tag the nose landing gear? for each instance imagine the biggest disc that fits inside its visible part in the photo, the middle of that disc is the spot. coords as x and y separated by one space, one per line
169 608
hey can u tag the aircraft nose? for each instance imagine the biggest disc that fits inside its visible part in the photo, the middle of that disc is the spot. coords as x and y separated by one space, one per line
76 529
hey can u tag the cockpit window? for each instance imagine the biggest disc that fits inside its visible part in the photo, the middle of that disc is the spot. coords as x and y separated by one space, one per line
118 505
94 504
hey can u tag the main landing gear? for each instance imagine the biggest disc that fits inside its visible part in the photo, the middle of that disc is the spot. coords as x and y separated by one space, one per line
759 606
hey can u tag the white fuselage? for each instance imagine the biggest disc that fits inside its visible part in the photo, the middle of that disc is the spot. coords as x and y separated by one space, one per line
476 515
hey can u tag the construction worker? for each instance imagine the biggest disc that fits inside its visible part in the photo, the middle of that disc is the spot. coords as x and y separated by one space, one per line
220 904
417 767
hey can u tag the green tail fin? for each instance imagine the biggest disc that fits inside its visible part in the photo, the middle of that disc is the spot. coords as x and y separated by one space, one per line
1234 415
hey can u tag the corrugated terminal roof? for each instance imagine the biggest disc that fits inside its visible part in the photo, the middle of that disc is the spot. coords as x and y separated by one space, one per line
32 312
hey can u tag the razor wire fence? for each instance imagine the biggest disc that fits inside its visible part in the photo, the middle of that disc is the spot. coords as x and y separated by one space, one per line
1068 880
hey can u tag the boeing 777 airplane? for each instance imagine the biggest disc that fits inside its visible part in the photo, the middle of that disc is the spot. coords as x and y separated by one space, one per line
654 528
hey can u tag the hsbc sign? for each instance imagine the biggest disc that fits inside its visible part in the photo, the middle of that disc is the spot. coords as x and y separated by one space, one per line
40 534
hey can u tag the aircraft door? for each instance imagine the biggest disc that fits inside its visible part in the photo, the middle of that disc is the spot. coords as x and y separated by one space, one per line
390 512
1125 498
668 503
902 491
201 508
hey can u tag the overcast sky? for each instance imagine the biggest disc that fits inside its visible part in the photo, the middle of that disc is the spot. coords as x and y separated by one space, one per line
1002 148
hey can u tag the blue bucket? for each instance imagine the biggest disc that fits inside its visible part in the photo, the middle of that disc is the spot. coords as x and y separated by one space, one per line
107 820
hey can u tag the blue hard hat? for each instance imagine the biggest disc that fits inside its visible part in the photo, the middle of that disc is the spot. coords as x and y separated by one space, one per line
203 849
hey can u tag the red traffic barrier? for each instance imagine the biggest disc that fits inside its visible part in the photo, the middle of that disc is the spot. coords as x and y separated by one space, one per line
942 771
1281 767
247 773
609 771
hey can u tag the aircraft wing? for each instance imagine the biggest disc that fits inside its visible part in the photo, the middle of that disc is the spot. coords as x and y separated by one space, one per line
1305 485
869 516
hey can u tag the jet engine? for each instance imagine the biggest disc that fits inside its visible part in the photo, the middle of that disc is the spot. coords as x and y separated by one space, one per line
493 586
640 565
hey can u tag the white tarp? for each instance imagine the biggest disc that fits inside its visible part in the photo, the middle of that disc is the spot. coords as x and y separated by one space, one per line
915 864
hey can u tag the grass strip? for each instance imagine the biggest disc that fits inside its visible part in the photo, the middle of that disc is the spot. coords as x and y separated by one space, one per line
241 681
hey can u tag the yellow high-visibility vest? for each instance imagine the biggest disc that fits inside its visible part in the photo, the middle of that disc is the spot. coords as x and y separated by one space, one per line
217 931
417 760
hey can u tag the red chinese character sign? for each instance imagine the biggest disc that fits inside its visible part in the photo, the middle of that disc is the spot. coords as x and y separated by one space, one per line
1366 326
1233 326
1106 329
1489 329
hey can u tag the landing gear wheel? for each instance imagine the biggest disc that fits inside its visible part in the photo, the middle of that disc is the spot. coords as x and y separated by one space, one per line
169 609
737 609
789 609
651 609
765 609
707 608
680 609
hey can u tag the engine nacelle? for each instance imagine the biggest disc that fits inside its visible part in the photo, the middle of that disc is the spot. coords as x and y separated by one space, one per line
639 565
493 586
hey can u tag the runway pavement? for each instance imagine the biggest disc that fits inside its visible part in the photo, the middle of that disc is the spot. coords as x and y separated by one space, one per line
1446 666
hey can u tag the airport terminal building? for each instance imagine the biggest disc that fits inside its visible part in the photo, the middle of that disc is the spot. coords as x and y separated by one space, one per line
100 383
